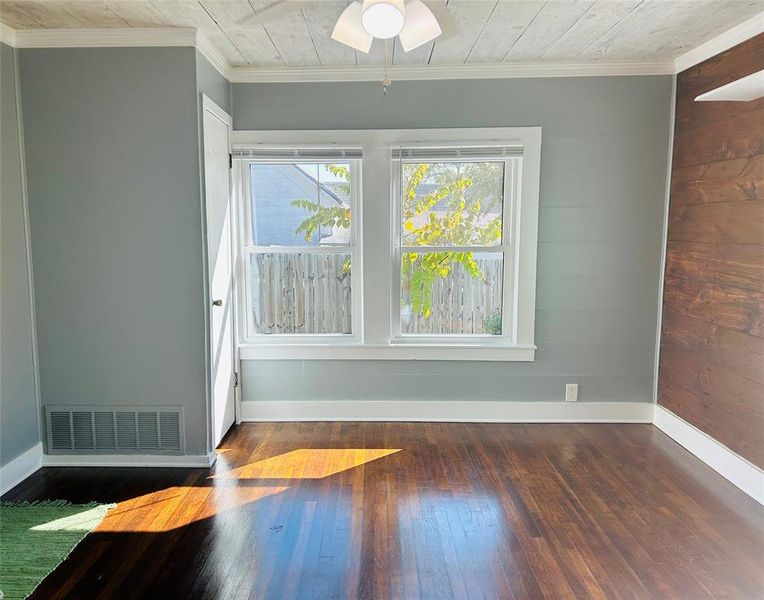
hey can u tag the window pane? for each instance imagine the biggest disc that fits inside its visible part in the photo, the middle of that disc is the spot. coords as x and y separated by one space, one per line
300 204
301 293
452 203
451 293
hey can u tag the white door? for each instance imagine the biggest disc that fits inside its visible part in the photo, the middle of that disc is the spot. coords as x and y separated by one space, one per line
217 184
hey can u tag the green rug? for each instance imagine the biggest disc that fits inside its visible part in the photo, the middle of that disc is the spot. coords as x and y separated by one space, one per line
36 537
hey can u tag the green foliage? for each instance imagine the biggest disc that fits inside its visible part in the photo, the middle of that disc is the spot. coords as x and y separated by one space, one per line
492 324
323 216
456 212
459 210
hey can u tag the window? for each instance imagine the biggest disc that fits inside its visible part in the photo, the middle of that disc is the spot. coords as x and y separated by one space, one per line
387 244
300 243
454 216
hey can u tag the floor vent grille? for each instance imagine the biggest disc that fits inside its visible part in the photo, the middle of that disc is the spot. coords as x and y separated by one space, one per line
124 430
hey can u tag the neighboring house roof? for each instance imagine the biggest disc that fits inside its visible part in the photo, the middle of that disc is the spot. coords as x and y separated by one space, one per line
325 186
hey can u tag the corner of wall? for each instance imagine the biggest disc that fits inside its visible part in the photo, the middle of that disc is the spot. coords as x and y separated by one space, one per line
18 202
28 238
664 238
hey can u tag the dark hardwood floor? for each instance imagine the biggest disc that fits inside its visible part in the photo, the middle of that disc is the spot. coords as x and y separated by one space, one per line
415 510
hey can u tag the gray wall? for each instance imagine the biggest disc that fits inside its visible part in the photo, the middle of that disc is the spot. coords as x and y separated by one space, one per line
603 170
18 407
112 152
210 82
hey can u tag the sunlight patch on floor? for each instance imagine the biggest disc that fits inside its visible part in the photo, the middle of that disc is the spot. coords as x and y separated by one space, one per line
307 463
178 506
84 521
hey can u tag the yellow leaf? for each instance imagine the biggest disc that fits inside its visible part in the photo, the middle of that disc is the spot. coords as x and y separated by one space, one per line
409 226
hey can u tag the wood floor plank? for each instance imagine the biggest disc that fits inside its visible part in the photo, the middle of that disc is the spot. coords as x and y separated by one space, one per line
416 510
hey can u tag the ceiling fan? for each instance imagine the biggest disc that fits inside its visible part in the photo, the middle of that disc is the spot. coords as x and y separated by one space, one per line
413 22
363 20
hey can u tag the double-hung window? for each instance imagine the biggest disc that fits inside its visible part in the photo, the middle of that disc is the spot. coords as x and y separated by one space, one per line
454 242
387 244
301 251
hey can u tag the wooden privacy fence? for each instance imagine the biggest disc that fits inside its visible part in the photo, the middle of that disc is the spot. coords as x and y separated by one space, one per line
311 293
461 304
302 293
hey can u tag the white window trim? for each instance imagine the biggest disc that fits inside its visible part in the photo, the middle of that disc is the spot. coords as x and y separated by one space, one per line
374 338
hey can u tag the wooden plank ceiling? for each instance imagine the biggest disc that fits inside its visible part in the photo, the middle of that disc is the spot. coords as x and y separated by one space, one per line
477 31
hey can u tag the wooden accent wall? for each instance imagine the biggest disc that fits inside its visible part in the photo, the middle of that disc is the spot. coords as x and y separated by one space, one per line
712 344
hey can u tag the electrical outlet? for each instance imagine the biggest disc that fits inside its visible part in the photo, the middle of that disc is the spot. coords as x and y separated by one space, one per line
571 392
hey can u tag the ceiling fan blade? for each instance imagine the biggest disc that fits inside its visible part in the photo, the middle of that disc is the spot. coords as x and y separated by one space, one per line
273 10
445 18
349 30
420 27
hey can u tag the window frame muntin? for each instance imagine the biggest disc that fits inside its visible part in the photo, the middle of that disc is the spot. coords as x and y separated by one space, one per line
248 333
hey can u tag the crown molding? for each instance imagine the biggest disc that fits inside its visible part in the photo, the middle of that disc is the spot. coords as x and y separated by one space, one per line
7 35
475 71
207 49
724 41
117 38
105 38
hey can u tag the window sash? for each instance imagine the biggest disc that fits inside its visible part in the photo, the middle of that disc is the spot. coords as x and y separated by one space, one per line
250 335
510 208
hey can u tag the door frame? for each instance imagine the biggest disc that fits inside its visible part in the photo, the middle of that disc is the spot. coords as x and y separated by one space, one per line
209 105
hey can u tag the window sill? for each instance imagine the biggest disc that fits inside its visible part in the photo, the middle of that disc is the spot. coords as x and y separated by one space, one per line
402 351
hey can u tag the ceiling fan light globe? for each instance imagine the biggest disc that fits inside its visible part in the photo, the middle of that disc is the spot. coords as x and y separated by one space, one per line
383 19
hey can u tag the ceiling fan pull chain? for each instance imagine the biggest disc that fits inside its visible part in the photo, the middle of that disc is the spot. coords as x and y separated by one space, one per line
386 80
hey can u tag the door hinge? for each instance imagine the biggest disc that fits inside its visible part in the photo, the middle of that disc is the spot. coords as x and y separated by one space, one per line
230 160
235 379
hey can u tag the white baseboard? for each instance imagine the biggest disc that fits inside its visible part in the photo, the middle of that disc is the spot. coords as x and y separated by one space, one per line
128 460
745 475
20 468
451 411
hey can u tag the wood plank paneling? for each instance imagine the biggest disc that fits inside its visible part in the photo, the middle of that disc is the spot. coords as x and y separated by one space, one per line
504 27
732 350
728 181
475 31
547 27
712 341
734 265
726 306
723 68
718 223
738 136
691 114
601 17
